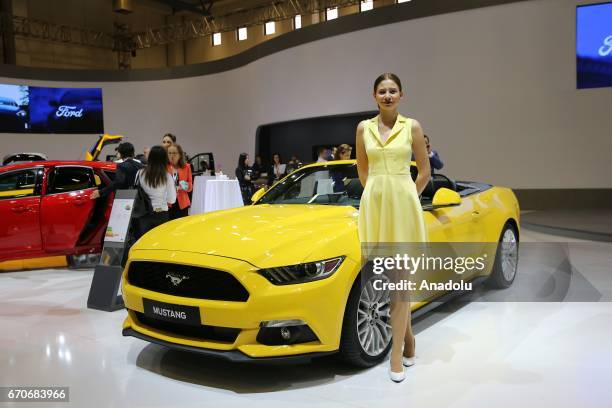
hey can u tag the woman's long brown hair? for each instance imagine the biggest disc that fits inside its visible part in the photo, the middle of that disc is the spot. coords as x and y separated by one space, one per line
156 172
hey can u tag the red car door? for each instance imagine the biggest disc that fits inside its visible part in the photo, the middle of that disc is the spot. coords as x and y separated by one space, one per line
66 207
20 212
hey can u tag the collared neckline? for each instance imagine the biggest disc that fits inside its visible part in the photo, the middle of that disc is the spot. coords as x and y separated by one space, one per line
398 126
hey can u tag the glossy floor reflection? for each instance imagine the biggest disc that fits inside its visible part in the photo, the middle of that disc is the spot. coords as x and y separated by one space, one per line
470 354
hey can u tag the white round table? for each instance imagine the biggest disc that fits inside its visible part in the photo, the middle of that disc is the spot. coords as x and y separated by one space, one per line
212 194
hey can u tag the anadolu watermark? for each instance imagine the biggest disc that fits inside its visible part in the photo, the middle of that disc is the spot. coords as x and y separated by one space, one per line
401 271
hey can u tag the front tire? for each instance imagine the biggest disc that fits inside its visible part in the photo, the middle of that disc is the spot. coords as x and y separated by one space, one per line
366 328
506 259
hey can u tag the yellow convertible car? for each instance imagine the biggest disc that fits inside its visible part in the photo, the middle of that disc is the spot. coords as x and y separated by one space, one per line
280 279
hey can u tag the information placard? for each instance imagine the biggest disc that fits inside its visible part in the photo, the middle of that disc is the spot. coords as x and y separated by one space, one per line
119 221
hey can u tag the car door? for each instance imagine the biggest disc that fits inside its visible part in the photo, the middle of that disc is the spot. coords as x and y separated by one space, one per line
452 233
66 206
20 212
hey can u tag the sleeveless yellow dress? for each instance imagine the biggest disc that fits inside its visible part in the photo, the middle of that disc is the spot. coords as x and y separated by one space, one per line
390 209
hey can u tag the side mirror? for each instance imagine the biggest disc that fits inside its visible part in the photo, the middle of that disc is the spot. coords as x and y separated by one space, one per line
445 197
257 195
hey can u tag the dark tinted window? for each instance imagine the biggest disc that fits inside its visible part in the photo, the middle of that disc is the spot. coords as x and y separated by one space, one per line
71 179
20 183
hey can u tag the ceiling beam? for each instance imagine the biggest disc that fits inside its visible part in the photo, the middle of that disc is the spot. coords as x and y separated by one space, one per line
180 5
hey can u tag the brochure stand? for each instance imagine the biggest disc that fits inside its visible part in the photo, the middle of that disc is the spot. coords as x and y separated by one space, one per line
105 291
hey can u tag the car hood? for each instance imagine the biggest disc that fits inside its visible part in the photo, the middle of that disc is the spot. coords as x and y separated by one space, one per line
263 235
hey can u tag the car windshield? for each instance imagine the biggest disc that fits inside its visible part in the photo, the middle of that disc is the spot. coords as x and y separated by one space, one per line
330 185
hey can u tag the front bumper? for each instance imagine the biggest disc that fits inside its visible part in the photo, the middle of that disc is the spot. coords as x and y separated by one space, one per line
320 304
234 356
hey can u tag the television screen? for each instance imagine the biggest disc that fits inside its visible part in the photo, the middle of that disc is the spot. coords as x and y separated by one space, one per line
594 45
14 100
50 110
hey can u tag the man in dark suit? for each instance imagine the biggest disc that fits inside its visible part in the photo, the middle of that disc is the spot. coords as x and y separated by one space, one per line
126 172
434 158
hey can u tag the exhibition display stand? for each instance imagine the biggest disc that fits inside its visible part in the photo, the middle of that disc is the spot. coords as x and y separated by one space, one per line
105 291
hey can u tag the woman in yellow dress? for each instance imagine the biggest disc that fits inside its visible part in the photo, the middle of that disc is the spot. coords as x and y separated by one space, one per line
390 209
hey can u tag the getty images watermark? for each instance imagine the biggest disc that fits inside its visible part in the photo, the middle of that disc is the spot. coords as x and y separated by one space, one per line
533 272
396 269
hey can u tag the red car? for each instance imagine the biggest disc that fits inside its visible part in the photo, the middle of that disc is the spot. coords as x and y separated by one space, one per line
46 210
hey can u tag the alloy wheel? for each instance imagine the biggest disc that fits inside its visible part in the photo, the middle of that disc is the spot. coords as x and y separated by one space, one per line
509 254
374 318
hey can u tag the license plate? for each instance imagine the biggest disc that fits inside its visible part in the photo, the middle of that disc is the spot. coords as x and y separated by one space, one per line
172 313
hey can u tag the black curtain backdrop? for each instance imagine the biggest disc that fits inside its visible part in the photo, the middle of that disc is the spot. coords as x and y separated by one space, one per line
303 137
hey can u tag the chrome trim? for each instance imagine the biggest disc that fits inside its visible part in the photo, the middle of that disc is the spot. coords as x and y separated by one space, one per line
282 323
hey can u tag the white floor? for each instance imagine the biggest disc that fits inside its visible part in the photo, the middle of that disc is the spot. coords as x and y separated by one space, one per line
476 354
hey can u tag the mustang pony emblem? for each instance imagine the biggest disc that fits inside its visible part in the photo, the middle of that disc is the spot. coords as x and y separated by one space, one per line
175 278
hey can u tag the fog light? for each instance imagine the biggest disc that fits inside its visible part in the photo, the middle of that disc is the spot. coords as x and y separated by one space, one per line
279 332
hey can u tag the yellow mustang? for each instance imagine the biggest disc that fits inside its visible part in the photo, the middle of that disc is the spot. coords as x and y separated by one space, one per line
280 279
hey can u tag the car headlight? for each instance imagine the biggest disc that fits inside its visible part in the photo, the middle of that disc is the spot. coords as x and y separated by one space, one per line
300 273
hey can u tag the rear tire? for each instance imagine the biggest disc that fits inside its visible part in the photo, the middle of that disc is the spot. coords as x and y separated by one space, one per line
366 328
506 259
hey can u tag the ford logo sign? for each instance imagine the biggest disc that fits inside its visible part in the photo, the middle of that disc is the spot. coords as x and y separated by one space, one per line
606 48
65 111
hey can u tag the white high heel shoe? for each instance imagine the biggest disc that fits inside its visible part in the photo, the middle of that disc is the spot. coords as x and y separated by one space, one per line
409 361
397 377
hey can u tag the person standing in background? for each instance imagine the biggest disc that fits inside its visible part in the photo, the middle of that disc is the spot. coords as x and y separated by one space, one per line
244 174
435 163
293 164
323 155
344 152
333 154
183 181
259 168
434 158
168 140
277 170
126 172
158 184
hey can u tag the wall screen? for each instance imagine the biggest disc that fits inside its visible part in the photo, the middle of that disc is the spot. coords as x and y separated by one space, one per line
32 109
594 45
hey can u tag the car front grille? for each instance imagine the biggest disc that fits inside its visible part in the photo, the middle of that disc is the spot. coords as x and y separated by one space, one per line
203 332
189 281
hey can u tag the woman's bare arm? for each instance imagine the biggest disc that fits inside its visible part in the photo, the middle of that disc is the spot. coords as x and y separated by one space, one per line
421 157
362 156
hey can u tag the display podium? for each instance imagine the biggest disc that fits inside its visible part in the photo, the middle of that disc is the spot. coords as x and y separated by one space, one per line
105 291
